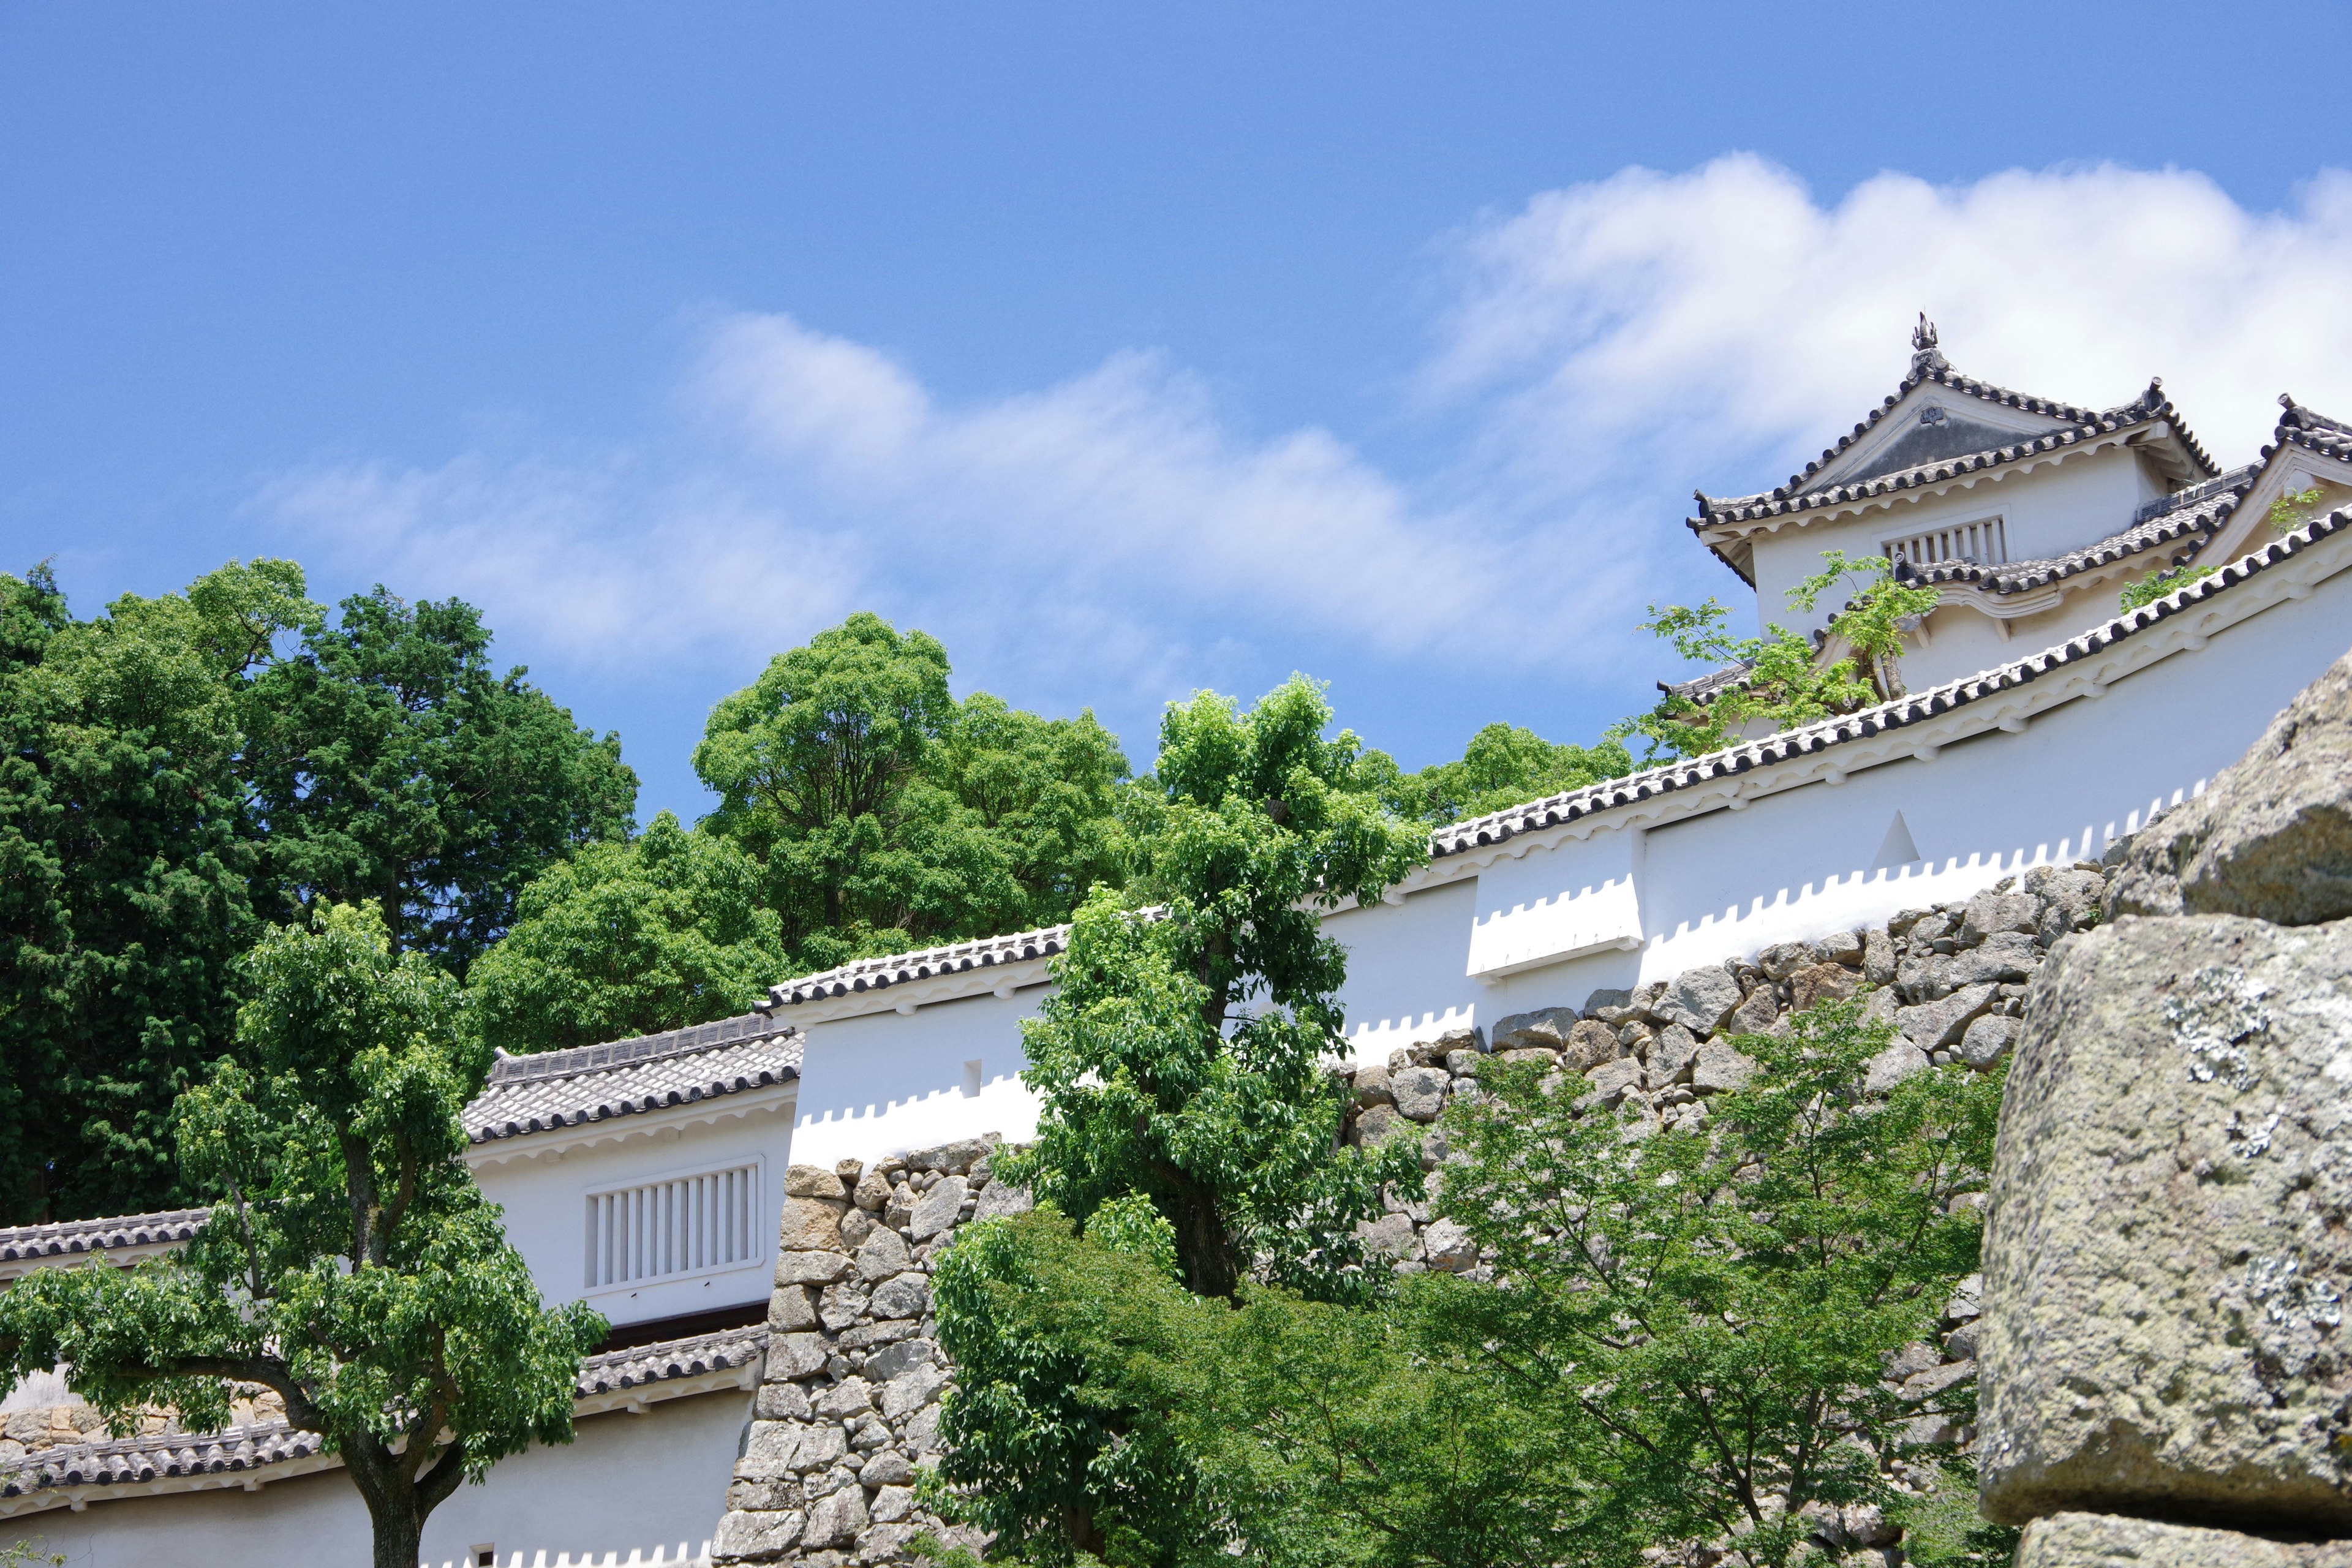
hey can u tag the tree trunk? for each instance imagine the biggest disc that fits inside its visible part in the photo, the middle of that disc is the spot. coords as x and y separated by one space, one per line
1203 1248
399 1532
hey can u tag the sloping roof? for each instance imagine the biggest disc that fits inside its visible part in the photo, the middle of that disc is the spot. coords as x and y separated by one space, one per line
70 1237
267 1444
1917 706
896 969
1701 687
2312 430
2196 524
594 1083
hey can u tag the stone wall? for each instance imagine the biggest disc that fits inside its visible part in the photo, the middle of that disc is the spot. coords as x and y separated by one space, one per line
848 1410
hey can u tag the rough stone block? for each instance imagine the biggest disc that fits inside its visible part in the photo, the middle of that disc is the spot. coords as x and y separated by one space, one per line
747 1537
850 1396
769 1449
1699 999
1755 1015
887 1467
790 1309
1611 1081
2004 955
872 1192
813 1181
883 1255
891 1359
2167 1257
893 1503
1001 1197
907 1296
1390 1235
1890 1067
1989 914
2107 1540
792 1357
811 1267
1719 1068
1372 1085
2270 837
1448 1247
1545 1027
1878 958
954 1159
1420 1092
782 1401
1610 1005
838 1519
1932 1026
1842 947
1821 983
938 1209
1988 1040
1783 958
1590 1043
911 1390
811 1225
1378 1125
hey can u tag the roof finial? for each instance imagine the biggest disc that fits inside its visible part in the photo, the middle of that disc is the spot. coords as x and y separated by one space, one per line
1925 356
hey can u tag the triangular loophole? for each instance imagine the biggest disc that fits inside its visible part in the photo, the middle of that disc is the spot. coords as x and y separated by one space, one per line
1898 849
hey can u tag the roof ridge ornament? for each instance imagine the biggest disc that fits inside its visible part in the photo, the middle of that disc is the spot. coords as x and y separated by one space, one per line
1926 357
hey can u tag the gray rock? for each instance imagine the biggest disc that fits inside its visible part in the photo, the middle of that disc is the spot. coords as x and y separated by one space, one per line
1988 1040
822 1445
1699 999
911 1390
891 1359
1001 1197
1462 1039
893 1503
1719 1068
1463 1064
938 1209
2166 1256
1610 1082
922 1431
1448 1247
813 1181
850 1396
2106 1541
2270 837
855 1227
837 1520
1932 1026
887 1467
811 1225
1372 1085
1989 913
1841 948
1544 1027
1590 1043
1756 1015
1672 1054
1390 1235
1916 1357
952 1158
1607 1000
757 1537
907 1296
1420 1092
2070 898
1890 1067
1878 958
1821 983
792 1357
1378 1125
2005 955
782 1401
1783 958
873 1193
789 1308
884 1255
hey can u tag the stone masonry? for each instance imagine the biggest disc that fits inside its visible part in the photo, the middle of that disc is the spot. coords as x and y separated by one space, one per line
848 1411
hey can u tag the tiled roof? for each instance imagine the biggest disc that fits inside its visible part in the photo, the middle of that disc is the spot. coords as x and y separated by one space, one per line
1701 687
1915 708
596 1083
132 1460
2082 425
2196 524
874 973
2312 430
25 1242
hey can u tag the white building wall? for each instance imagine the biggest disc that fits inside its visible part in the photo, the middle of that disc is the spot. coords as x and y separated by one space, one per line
627 1482
884 1083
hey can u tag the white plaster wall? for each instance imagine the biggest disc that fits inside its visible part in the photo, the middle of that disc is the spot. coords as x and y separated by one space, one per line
627 1482
883 1083
545 1199
2047 511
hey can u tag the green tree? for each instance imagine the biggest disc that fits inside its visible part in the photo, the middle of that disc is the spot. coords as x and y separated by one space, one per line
1189 1127
1504 765
388 761
351 1264
1707 1317
2157 585
124 861
629 939
887 816
2292 510
1785 680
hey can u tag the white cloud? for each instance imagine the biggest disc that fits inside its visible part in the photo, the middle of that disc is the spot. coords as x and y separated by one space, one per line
1608 347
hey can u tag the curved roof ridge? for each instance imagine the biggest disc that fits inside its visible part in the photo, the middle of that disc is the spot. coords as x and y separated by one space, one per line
2311 430
61 1238
1556 810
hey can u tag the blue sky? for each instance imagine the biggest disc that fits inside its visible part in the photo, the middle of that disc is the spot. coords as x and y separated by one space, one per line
1129 349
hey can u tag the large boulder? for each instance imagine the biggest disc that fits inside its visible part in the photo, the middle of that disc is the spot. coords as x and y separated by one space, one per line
2272 836
2167 1261
1699 999
2105 1540
1545 1027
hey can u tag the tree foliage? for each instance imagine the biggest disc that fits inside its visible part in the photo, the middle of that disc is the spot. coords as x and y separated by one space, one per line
629 939
2157 585
887 816
1181 1057
388 761
351 1264
1706 1316
1504 765
1783 679
125 861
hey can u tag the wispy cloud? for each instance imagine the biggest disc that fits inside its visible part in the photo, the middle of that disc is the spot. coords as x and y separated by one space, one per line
1603 349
